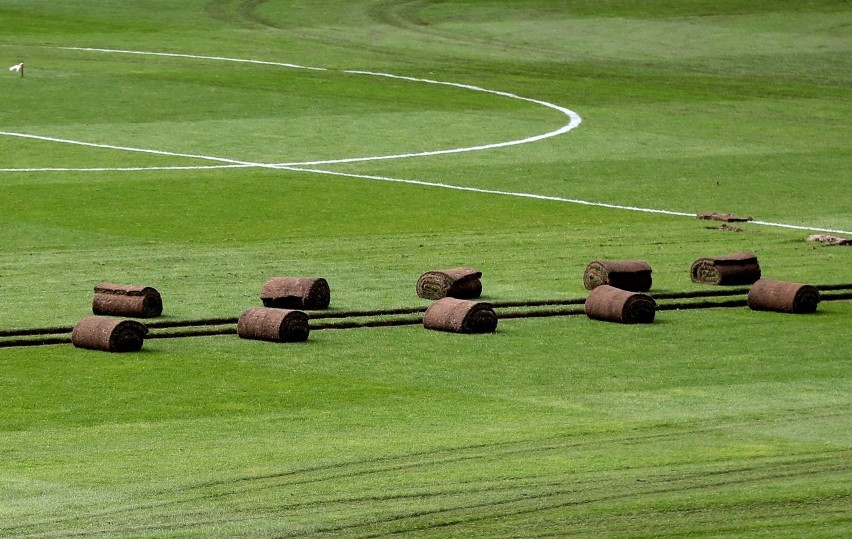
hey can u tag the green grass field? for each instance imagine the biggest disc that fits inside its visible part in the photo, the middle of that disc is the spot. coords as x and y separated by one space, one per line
156 169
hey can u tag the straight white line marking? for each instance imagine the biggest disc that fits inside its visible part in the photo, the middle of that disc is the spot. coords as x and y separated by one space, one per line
412 182
123 169
194 57
549 198
489 191
800 227
127 148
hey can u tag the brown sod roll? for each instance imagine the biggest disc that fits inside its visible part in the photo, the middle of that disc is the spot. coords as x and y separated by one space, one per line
127 300
736 269
615 305
296 293
460 283
275 325
726 217
633 275
460 316
108 334
830 239
783 296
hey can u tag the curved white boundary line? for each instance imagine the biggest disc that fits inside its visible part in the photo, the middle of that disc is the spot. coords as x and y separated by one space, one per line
193 56
574 121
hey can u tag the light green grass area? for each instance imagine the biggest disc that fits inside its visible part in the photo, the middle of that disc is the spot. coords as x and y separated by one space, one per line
718 422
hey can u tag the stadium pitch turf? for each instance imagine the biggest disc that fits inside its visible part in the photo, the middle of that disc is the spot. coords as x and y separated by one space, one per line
202 147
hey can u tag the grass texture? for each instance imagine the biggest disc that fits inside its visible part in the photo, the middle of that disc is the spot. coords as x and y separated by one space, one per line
718 422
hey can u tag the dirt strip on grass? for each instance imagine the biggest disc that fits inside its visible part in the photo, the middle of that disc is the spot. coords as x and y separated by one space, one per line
170 329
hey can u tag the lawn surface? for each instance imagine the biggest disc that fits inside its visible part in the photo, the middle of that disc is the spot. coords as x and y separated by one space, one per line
718 422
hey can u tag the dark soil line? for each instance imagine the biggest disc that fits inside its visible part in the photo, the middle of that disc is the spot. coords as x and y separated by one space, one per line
537 303
35 331
835 297
19 343
201 332
833 286
541 313
702 305
363 314
191 323
370 324
836 292
723 292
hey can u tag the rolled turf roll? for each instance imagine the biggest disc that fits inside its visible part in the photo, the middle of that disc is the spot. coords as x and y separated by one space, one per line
726 217
460 283
735 269
108 334
633 275
460 316
612 304
275 325
783 296
296 293
127 300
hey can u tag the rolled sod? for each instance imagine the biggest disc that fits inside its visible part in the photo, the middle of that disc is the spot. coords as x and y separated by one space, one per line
735 269
460 316
633 275
612 304
460 283
274 325
127 300
108 334
830 239
783 296
726 217
310 293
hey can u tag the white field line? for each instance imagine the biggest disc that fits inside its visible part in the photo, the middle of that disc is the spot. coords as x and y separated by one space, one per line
122 169
193 56
549 198
489 191
574 121
128 148
295 168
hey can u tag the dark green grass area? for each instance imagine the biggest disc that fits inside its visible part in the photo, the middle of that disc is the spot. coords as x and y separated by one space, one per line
217 239
719 422
424 434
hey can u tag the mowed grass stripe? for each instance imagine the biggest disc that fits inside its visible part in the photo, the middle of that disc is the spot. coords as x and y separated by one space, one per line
460 504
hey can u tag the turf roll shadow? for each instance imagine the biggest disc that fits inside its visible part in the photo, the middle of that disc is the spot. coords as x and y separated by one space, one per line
783 297
312 293
728 270
108 334
460 283
460 316
633 275
127 300
274 325
612 304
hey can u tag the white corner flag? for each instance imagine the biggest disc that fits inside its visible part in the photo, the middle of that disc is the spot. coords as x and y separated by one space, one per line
18 68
